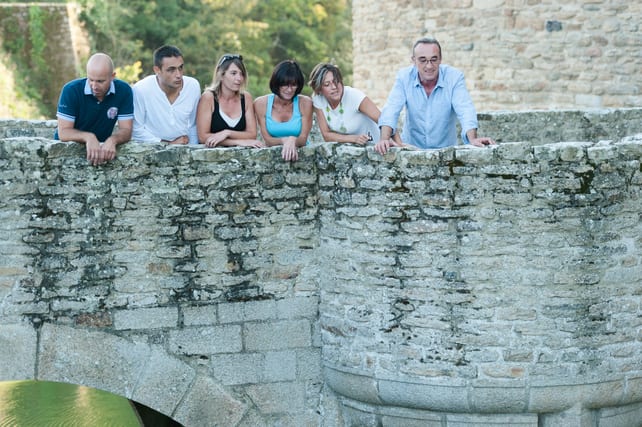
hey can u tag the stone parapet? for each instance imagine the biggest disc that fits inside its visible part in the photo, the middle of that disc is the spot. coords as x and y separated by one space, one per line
440 287
500 281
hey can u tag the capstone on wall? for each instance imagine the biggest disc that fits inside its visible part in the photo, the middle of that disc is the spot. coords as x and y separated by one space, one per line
495 286
516 54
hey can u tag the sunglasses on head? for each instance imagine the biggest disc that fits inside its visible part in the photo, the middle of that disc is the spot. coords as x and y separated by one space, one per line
229 58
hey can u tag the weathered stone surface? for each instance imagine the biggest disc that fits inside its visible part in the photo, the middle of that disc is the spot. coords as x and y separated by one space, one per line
493 283
17 361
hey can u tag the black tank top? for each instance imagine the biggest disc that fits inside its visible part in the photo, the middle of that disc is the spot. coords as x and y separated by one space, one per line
218 124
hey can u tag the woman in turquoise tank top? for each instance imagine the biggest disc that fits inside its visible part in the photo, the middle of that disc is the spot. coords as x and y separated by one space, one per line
285 116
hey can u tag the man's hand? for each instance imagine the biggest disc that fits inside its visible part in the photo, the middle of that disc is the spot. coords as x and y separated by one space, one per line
181 140
95 155
481 142
382 146
108 149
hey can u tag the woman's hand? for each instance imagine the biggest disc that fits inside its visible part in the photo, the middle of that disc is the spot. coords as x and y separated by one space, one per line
216 138
289 151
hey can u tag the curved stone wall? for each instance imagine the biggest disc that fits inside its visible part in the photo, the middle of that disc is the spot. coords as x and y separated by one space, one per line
447 287
501 281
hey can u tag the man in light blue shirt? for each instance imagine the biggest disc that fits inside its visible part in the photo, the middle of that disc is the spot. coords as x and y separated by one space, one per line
434 95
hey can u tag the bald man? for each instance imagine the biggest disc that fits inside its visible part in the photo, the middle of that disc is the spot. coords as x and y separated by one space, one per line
89 107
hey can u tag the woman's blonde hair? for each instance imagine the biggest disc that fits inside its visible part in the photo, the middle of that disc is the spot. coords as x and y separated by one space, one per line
222 66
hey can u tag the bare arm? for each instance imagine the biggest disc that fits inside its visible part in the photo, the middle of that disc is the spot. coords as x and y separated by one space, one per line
330 135
204 116
67 132
123 133
369 108
386 132
305 107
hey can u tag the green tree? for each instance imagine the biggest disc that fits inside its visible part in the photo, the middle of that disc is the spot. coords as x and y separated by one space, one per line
264 32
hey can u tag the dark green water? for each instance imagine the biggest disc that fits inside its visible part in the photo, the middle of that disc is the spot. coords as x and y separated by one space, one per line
51 404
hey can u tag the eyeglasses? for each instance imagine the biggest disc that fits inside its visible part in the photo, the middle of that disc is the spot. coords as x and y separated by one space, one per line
229 58
433 61
291 84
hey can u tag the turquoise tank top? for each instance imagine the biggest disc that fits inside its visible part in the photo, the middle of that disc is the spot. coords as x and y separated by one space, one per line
281 129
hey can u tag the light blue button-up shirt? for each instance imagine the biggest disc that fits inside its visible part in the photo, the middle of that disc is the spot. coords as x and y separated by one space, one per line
430 121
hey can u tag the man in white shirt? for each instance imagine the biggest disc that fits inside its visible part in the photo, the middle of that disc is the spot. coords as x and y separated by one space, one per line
165 103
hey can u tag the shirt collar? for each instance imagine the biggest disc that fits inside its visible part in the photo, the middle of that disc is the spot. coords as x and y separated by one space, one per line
112 88
440 78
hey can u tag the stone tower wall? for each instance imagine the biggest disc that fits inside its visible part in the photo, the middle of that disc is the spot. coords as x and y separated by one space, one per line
516 54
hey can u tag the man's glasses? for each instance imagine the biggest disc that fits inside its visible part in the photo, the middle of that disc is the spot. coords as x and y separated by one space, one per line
229 58
433 61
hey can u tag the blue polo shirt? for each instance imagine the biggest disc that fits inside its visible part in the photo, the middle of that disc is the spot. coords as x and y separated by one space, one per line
78 104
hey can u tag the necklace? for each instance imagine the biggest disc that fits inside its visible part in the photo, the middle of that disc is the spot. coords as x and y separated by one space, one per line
342 127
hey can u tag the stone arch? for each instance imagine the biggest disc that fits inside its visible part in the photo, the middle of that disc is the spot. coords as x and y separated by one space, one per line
139 371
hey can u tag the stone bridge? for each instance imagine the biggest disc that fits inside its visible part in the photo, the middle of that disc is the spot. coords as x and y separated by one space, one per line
225 287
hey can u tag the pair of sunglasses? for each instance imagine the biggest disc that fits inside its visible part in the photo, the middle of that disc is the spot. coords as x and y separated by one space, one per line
229 58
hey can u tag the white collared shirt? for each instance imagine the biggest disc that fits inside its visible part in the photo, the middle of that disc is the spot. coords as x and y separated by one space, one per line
155 119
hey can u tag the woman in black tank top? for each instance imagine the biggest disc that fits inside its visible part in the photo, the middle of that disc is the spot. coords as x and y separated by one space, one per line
225 114
220 123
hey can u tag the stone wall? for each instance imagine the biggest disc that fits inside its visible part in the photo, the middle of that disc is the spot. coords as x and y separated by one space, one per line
181 278
444 287
515 54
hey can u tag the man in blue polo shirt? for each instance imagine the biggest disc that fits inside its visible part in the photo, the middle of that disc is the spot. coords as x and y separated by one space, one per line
89 107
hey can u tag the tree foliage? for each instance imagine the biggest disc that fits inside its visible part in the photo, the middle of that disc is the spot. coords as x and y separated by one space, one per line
263 31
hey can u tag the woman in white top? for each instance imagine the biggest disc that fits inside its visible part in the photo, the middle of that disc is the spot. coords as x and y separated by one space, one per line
344 114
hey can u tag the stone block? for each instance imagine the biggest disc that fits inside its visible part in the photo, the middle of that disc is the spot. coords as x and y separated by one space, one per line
69 355
293 308
501 397
433 397
208 404
164 382
560 397
238 368
282 366
277 335
308 364
146 318
274 398
206 340
491 420
200 315
18 360
620 416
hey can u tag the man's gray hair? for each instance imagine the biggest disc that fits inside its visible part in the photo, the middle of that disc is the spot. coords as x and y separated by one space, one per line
426 40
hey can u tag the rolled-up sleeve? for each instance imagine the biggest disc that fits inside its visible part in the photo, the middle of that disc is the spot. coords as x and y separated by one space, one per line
463 106
394 104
